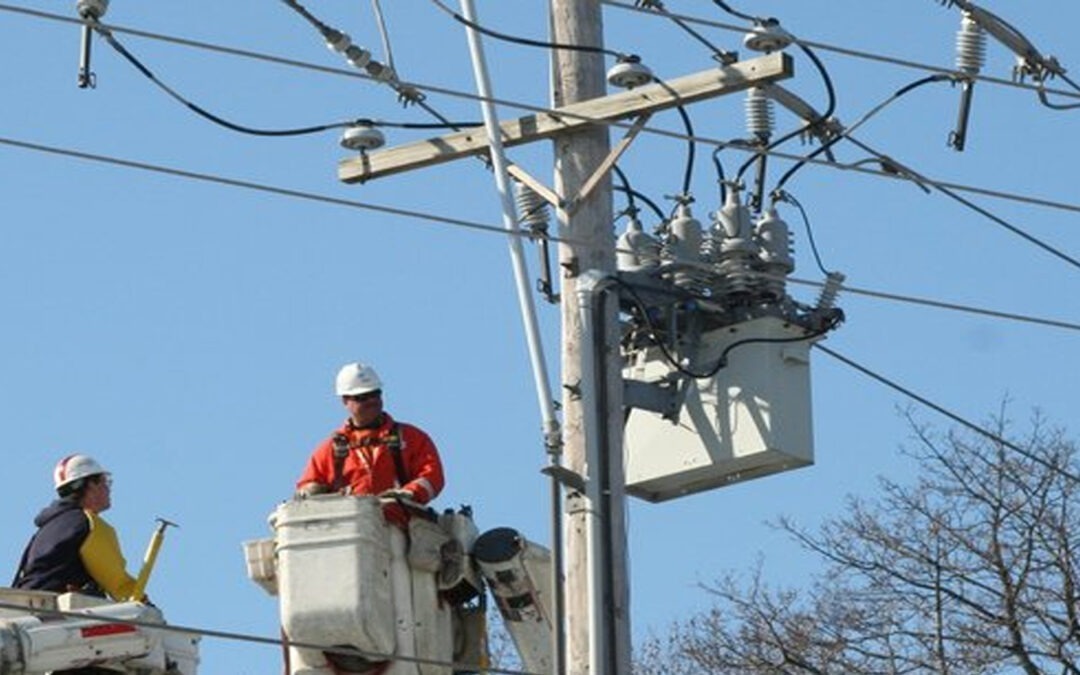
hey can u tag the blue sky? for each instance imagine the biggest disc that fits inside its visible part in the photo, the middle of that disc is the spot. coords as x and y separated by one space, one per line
187 333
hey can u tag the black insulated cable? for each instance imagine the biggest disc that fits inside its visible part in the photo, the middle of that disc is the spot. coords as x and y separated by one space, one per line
843 134
811 124
727 8
429 218
947 413
975 207
526 41
202 112
722 361
788 198
198 110
720 55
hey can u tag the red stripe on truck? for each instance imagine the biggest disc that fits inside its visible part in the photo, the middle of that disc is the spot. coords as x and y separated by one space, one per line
104 629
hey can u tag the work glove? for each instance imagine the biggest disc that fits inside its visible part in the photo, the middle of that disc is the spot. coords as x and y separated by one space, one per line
397 493
309 489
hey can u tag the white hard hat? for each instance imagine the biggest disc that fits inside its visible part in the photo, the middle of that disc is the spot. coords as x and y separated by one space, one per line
357 378
75 467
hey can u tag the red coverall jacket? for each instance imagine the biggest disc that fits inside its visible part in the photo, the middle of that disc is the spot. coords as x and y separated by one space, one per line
369 467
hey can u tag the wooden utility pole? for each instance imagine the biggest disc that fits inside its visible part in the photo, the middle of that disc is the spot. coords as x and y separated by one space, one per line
579 76
596 589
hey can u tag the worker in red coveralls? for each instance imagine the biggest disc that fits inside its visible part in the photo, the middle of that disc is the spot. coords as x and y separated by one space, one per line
371 453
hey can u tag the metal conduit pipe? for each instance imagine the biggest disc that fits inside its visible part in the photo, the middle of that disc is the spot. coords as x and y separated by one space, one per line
601 495
551 428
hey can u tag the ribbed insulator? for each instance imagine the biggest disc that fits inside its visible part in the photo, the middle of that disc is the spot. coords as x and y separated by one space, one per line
970 46
775 254
736 276
336 41
380 72
532 209
759 113
712 246
357 57
684 247
827 299
774 238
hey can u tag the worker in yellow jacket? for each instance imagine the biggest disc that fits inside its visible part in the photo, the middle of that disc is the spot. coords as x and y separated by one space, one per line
74 548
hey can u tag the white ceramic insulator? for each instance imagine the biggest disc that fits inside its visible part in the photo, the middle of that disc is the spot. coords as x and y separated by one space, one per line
532 209
970 46
759 113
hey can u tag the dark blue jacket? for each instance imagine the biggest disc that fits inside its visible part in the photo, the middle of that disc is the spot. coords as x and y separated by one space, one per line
51 561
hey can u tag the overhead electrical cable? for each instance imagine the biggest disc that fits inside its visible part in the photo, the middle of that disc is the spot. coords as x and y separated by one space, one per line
847 135
688 172
1056 106
947 413
812 125
944 190
862 120
790 199
1056 252
471 225
260 187
984 212
632 193
871 56
950 306
621 175
727 8
199 110
115 44
717 143
286 192
373 70
384 34
450 92
718 54
527 41
256 639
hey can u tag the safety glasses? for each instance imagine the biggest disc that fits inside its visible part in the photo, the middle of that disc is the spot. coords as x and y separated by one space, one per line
367 396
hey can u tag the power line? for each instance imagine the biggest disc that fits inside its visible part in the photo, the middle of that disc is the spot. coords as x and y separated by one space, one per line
257 639
845 51
956 307
528 42
202 112
292 193
477 226
249 185
232 126
718 54
947 413
911 174
944 187
974 207
997 194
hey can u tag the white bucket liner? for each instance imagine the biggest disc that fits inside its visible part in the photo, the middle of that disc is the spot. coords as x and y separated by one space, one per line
333 558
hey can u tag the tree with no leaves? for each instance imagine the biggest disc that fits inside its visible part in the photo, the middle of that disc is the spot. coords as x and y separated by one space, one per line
972 568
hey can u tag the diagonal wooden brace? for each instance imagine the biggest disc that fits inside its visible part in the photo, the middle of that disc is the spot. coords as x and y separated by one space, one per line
606 165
